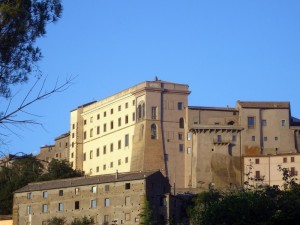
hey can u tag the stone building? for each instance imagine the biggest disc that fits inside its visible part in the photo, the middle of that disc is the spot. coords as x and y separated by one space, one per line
115 198
150 126
262 170
138 129
60 150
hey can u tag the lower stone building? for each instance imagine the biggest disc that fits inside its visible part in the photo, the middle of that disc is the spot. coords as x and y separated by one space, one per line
109 199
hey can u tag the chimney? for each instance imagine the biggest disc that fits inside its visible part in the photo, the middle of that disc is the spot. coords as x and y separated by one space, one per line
117 175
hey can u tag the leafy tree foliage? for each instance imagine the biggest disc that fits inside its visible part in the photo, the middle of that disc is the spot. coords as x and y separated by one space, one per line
146 216
83 221
18 174
56 221
60 169
21 23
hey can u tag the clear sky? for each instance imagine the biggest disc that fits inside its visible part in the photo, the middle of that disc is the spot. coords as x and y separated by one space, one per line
225 50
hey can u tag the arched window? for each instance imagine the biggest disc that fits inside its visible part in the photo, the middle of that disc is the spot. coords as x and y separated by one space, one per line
141 110
153 131
181 123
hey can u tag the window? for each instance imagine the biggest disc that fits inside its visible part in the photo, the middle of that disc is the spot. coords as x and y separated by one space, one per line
180 106
84 135
127 200
265 138
126 105
93 203
119 122
60 207
61 192
154 113
73 126
119 162
104 167
284 160
253 138
104 114
189 136
29 195
76 191
104 127
292 159
119 108
106 202
180 136
283 123
84 156
181 147
127 186
276 138
73 135
133 102
111 164
45 194
94 189
91 154
111 147
126 140
106 219
72 155
76 205
251 122
98 152
104 149
111 111
153 131
119 144
293 172
45 208
126 160
98 129
111 125
84 122
166 157
106 187
264 122
98 116
127 216
219 138
189 150
257 174
181 123
126 119
256 161
29 210
233 138
97 169
133 116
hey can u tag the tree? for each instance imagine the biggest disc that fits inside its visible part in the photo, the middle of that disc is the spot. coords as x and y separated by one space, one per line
83 221
146 216
60 169
19 173
56 221
21 23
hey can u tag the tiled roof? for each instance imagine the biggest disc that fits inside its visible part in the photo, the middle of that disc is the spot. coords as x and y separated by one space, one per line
212 108
86 180
265 105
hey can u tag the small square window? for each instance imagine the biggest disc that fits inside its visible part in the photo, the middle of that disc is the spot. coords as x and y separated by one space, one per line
98 116
60 206
253 138
126 160
233 137
276 138
283 123
45 208
111 111
127 216
265 138
264 122
126 105
93 203
119 108
84 122
76 205
189 150
127 186
61 193
104 114
106 202
106 187
180 136
29 195
76 191
180 106
285 160
45 194
256 161
292 159
127 200
181 147
94 189
251 122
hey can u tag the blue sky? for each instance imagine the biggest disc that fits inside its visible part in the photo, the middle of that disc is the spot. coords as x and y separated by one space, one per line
225 50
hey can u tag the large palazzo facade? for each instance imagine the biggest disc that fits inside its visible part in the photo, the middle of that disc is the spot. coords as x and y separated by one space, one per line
151 126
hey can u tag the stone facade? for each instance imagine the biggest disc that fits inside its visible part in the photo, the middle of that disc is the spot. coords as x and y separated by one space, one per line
107 198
